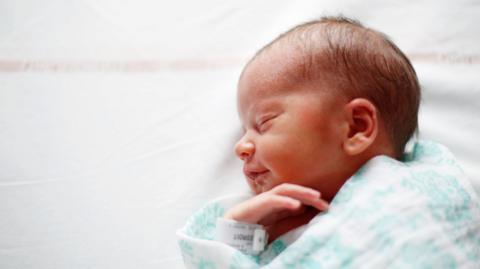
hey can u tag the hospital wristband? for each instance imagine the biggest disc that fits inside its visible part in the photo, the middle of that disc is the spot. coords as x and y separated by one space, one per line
246 237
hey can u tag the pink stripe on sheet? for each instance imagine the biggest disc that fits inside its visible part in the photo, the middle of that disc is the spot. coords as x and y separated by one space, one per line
151 66
132 66
450 58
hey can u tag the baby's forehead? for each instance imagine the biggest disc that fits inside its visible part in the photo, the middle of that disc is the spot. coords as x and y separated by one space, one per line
255 89
281 68
281 64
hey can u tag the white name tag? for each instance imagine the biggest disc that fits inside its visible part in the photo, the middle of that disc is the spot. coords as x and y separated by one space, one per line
246 237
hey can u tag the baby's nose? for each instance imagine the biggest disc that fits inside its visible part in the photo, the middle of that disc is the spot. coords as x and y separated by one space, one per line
244 149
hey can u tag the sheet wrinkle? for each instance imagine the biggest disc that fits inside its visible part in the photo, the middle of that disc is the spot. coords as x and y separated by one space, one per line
157 152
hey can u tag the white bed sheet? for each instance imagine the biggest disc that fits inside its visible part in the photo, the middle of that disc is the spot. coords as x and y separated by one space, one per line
117 120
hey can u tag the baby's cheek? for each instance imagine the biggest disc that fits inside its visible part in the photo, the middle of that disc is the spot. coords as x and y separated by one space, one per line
308 116
285 158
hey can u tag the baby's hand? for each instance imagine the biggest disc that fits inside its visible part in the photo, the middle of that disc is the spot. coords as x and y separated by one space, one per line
283 201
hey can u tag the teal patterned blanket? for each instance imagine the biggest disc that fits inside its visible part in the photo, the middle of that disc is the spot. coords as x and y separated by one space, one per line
419 213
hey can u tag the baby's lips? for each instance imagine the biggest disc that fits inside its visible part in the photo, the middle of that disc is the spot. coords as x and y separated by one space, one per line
253 174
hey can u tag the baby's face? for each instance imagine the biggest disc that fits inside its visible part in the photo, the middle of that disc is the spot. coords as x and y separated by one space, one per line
292 131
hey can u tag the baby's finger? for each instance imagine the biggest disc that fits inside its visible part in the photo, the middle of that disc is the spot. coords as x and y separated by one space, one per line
262 206
307 196
320 204
273 218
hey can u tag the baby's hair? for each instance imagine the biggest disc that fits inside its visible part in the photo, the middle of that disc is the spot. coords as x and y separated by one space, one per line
360 63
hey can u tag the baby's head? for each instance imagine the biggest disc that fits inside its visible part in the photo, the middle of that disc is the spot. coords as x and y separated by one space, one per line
321 100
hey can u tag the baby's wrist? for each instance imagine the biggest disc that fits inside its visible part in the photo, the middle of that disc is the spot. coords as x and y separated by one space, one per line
234 216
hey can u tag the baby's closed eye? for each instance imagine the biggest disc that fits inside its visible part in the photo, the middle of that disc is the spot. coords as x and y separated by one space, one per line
265 123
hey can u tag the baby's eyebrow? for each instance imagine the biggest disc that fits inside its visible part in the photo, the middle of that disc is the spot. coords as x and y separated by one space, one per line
261 107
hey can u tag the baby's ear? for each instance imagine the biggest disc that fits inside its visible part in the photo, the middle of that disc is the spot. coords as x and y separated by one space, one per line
362 126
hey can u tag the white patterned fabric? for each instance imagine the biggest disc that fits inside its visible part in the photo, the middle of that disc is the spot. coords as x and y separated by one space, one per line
419 213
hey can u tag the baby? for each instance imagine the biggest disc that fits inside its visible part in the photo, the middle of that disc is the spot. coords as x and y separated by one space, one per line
316 104
327 109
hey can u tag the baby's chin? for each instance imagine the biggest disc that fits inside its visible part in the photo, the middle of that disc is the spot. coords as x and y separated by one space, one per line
258 189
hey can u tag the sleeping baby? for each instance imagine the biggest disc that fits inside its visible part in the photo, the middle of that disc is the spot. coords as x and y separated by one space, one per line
327 109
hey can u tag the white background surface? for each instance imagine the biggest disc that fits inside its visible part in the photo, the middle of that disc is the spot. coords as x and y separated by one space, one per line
118 119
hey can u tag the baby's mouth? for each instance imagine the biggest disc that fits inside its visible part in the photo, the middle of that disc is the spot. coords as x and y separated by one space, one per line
256 176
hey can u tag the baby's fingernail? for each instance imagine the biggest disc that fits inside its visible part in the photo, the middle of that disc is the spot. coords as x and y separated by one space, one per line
325 204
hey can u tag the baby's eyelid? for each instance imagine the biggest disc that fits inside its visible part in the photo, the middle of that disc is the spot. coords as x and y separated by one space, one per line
261 123
266 118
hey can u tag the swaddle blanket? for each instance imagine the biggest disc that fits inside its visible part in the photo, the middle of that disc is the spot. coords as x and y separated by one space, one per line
419 213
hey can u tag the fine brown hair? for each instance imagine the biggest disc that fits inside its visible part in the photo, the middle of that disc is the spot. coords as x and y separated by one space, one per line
361 63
